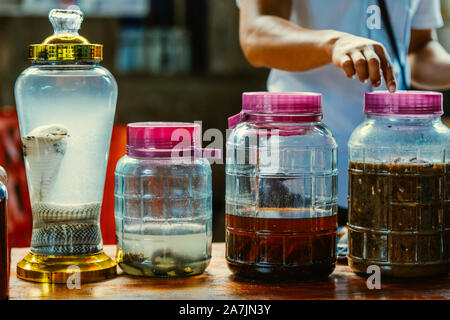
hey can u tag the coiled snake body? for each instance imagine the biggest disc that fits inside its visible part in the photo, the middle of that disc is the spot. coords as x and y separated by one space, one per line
58 229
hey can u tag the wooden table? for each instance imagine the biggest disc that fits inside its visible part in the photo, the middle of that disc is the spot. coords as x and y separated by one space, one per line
218 283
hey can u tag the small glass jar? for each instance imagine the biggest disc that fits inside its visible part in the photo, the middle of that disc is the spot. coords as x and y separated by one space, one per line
281 189
4 252
399 186
163 201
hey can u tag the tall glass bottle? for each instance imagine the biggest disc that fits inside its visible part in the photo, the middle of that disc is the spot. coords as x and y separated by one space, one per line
66 103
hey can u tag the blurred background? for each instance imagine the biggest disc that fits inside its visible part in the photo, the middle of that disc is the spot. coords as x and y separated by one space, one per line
174 60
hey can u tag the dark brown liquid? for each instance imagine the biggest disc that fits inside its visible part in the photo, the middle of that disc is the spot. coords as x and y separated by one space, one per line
4 261
399 218
281 249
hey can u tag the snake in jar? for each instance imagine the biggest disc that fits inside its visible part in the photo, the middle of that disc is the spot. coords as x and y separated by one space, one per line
58 229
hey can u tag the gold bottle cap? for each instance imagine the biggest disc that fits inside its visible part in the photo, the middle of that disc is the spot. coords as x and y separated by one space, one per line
66 44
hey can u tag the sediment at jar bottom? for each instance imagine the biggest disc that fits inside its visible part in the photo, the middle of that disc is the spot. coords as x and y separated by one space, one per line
163 264
66 230
176 251
399 218
397 271
281 249
282 273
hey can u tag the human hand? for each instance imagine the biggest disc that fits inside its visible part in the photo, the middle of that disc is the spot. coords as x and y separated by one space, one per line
365 58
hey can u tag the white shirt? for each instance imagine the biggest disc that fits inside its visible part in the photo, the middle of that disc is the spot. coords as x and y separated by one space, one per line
343 97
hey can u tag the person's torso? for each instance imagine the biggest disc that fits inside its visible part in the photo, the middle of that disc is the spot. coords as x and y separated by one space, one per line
343 97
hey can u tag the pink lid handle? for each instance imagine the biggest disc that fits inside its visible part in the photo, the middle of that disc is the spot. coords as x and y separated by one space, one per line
233 121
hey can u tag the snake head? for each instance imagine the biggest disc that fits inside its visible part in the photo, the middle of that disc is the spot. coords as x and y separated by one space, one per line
53 132
45 140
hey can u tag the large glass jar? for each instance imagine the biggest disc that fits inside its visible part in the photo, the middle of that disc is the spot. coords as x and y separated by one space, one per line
163 201
399 186
281 189
66 103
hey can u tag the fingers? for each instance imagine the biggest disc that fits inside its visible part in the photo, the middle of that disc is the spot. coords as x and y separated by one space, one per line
363 64
368 61
346 64
386 67
360 64
373 63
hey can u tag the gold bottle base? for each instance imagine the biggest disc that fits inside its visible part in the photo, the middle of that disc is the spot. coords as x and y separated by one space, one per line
58 269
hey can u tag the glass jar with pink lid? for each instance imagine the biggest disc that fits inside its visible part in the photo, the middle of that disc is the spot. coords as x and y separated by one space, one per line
281 189
163 201
399 186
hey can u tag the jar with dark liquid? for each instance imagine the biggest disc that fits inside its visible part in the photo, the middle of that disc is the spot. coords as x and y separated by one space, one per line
281 200
4 252
399 186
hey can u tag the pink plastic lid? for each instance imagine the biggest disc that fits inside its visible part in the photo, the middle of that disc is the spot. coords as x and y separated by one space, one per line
403 103
167 139
160 139
282 103
279 107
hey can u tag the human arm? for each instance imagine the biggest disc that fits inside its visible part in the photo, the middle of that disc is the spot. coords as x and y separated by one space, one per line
269 39
429 61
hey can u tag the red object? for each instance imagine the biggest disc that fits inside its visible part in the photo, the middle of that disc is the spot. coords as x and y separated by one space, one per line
117 151
19 207
4 254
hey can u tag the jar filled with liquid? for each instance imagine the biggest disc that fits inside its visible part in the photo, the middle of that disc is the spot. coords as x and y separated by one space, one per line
65 104
163 201
4 252
399 186
281 189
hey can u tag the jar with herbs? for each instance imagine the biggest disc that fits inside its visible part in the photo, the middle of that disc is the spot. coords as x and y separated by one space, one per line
399 186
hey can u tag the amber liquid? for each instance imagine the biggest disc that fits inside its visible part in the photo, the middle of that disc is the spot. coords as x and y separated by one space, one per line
4 261
281 249
399 218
